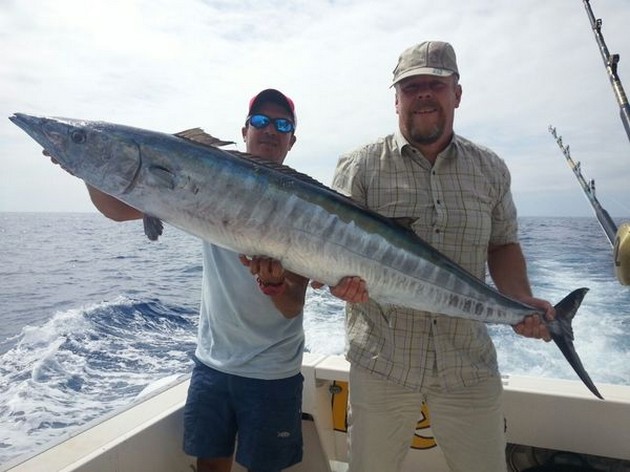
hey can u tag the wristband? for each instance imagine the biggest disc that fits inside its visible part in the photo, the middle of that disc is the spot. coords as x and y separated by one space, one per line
270 289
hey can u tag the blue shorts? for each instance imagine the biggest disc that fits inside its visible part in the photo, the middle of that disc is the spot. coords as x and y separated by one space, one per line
266 415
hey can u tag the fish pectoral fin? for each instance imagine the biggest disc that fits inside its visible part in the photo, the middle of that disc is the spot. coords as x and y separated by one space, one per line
199 136
562 334
162 177
153 227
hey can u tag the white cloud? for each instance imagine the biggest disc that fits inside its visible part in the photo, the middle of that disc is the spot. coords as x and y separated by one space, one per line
168 66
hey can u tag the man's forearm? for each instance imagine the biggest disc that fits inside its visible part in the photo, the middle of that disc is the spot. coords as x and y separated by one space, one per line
508 270
111 207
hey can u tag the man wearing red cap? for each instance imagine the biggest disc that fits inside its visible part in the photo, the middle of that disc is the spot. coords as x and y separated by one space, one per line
457 197
246 380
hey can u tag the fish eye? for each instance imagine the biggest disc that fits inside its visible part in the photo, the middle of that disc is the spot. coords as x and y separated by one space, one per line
78 136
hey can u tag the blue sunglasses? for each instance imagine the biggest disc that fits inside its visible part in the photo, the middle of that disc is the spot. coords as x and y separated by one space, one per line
282 125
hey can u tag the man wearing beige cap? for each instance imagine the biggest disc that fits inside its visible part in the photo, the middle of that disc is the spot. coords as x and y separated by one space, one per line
456 196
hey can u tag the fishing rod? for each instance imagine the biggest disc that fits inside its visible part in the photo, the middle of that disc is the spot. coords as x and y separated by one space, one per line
621 241
619 238
611 61
605 221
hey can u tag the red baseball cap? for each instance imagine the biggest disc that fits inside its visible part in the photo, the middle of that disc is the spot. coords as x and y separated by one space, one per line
274 96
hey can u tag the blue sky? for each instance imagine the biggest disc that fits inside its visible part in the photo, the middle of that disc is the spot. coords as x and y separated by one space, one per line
168 66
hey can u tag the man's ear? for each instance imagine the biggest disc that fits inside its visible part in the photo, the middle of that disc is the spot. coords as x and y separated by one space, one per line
458 95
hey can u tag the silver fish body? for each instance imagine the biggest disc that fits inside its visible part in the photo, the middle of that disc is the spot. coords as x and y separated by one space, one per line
257 208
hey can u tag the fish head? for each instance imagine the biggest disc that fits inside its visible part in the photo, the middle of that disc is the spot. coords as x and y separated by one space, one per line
87 149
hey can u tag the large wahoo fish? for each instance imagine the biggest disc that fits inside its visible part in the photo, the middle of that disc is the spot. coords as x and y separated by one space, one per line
254 207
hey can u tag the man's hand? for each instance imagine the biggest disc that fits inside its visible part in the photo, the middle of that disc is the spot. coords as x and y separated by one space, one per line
55 161
533 326
268 270
286 289
349 289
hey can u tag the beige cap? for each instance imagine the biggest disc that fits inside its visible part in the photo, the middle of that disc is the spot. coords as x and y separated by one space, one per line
427 58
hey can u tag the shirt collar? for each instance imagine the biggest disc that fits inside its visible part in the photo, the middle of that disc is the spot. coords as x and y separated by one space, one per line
448 152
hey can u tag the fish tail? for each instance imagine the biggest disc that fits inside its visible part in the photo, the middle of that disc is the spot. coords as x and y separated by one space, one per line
562 334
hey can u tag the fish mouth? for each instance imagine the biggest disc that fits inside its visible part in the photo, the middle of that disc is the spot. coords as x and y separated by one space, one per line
58 136
41 130
31 125
25 121
19 118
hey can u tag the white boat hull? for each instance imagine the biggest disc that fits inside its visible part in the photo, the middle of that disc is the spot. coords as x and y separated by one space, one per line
543 413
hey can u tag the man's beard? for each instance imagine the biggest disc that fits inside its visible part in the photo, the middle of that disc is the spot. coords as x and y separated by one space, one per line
425 135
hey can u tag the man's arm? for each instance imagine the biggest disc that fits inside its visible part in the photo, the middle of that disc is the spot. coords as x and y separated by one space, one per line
111 207
508 270
291 302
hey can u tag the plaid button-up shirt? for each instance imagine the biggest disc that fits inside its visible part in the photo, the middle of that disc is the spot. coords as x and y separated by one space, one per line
459 205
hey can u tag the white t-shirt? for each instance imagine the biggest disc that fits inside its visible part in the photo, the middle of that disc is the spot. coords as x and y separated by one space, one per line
241 332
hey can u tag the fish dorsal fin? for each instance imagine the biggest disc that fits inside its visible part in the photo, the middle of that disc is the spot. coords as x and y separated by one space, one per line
199 136
403 223
283 168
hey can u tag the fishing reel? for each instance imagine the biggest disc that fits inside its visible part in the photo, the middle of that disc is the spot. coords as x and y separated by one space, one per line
621 250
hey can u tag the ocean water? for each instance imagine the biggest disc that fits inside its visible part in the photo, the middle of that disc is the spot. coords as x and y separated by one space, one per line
93 315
